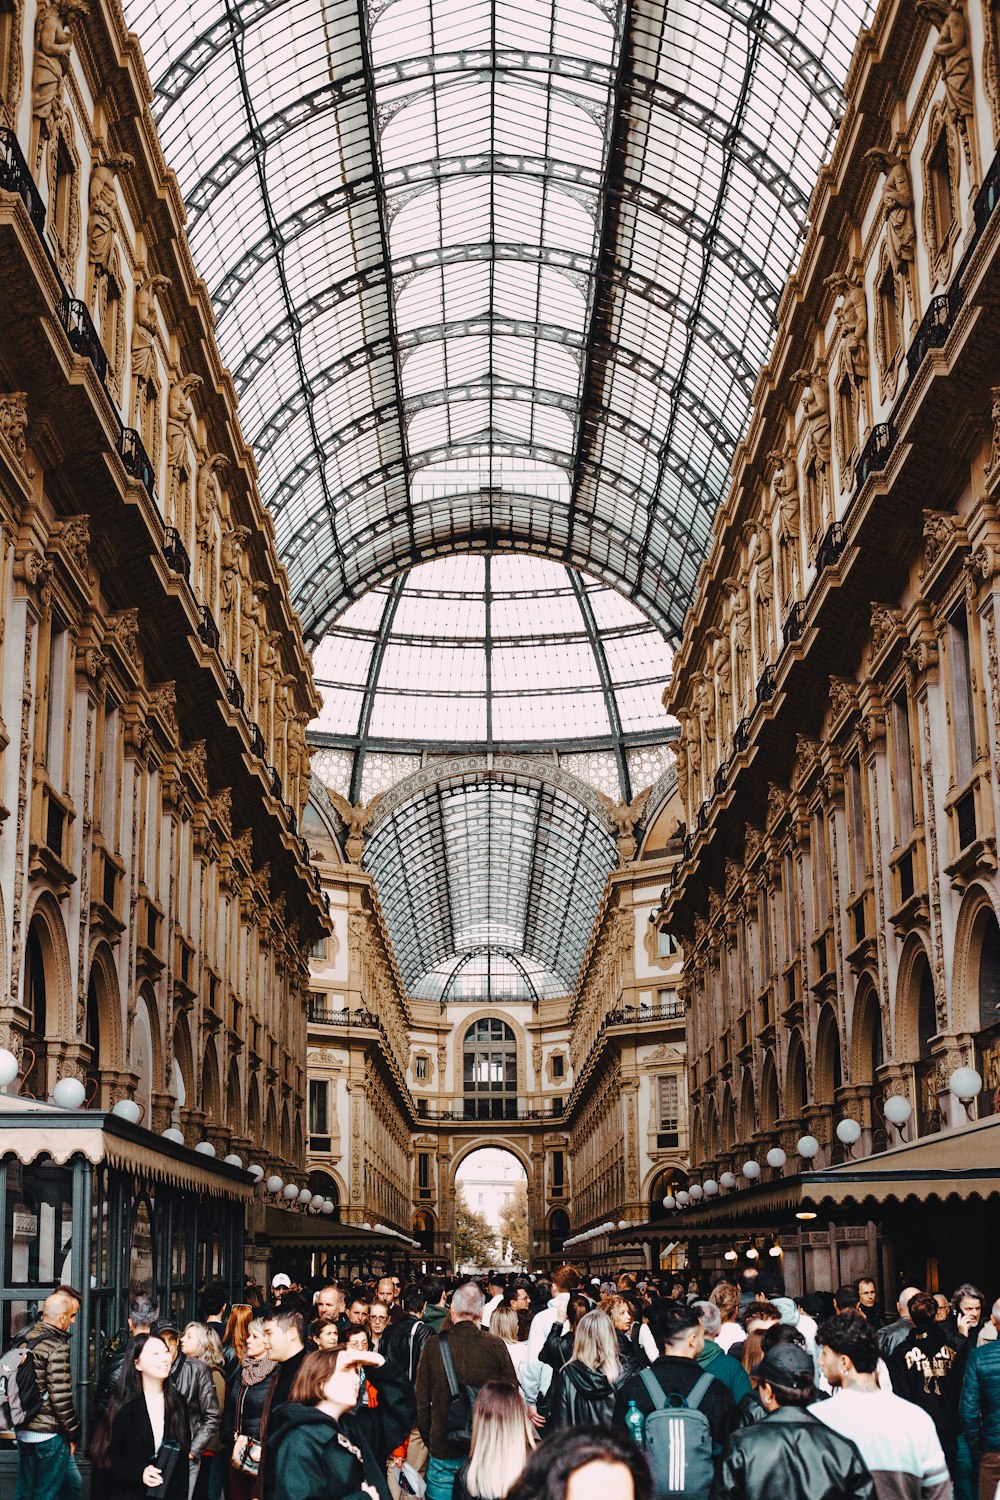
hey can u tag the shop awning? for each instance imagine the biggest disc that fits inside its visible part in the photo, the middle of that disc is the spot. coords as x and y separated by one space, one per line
963 1163
291 1231
29 1130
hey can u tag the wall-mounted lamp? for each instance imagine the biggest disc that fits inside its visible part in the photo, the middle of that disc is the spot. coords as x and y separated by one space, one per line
897 1109
966 1085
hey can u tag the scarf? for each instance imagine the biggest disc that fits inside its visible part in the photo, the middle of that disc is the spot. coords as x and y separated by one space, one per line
257 1367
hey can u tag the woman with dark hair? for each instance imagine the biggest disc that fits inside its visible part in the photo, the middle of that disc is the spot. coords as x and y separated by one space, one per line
578 1463
558 1346
751 1408
144 1439
321 1446
503 1437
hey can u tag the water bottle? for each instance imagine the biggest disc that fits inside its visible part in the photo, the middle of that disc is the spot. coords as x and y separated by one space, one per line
636 1424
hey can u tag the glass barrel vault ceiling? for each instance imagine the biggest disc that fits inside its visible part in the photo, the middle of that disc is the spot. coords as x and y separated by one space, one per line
510 653
532 248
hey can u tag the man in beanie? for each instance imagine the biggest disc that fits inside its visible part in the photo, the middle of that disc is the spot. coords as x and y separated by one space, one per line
790 1455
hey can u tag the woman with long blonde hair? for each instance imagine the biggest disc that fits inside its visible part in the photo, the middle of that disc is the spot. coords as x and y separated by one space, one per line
502 1440
583 1391
201 1341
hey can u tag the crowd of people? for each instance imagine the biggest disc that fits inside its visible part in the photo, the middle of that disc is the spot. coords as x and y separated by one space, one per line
531 1388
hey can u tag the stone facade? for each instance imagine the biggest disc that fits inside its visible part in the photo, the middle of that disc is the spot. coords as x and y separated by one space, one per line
837 681
156 898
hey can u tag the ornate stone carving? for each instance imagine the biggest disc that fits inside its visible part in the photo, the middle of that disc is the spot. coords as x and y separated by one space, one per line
886 624
53 45
195 761
206 506
955 56
939 528
777 803
816 410
103 204
123 633
897 209
355 818
180 413
72 536
994 458
739 621
843 696
163 701
144 328
852 323
624 816
14 426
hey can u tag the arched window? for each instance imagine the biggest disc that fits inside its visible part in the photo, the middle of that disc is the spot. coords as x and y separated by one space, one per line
35 1001
988 1040
489 1070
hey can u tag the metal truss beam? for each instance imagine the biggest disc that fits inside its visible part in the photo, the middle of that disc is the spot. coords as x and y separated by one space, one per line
371 684
604 673
635 740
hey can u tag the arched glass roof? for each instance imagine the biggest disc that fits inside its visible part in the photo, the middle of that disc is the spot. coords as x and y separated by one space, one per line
500 862
495 272
508 653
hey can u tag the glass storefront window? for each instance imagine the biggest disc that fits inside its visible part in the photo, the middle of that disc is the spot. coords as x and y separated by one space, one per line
38 1225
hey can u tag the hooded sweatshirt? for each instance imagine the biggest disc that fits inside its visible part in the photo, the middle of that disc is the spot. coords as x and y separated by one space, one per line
722 1365
435 1316
312 1455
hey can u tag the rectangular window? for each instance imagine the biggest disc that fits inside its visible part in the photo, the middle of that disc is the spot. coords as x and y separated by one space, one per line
764 912
788 888
666 943
318 950
420 1069
819 865
110 776
319 1114
558 1174
962 716
903 757
856 818
424 1174
558 1065
668 1102
56 715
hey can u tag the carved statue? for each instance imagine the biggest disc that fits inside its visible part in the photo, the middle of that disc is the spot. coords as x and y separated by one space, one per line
625 816
952 47
102 203
705 704
852 318
765 566
206 505
724 683
995 419
355 818
144 327
897 205
53 44
14 423
816 407
180 411
253 622
786 495
681 763
740 627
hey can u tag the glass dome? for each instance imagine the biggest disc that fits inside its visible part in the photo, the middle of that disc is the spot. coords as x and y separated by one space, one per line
504 652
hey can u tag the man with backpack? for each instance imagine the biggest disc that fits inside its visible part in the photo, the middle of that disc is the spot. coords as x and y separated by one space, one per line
788 1455
689 1415
46 1443
452 1367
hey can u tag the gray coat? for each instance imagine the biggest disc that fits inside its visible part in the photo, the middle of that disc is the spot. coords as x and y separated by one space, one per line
194 1384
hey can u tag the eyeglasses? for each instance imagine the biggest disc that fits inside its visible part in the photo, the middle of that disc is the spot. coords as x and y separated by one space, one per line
379 1318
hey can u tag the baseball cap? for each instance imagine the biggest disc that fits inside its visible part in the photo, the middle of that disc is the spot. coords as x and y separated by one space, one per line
786 1365
281 1280
165 1325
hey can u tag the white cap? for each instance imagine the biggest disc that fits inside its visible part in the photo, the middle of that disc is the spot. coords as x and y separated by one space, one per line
281 1280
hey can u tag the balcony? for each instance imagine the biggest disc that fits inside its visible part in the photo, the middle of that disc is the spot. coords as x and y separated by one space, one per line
766 686
176 553
875 453
135 460
208 631
257 744
234 689
830 548
15 178
741 739
795 623
935 326
82 335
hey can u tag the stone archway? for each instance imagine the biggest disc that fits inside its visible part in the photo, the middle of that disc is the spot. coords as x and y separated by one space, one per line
46 992
494 1181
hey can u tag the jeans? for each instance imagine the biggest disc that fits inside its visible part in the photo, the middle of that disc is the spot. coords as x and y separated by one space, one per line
47 1471
441 1477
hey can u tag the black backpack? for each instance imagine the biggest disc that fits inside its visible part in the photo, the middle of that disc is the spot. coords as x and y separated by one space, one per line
461 1400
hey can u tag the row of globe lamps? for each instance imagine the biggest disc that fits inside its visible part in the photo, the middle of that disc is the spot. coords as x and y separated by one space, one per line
965 1084
69 1093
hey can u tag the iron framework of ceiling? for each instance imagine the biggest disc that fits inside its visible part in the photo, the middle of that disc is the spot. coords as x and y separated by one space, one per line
495 234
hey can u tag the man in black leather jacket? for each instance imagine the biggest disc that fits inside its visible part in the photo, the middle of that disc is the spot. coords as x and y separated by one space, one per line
404 1339
789 1455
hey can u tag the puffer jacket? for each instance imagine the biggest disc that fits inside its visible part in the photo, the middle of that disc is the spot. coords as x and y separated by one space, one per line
979 1406
194 1384
788 1456
580 1396
50 1350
